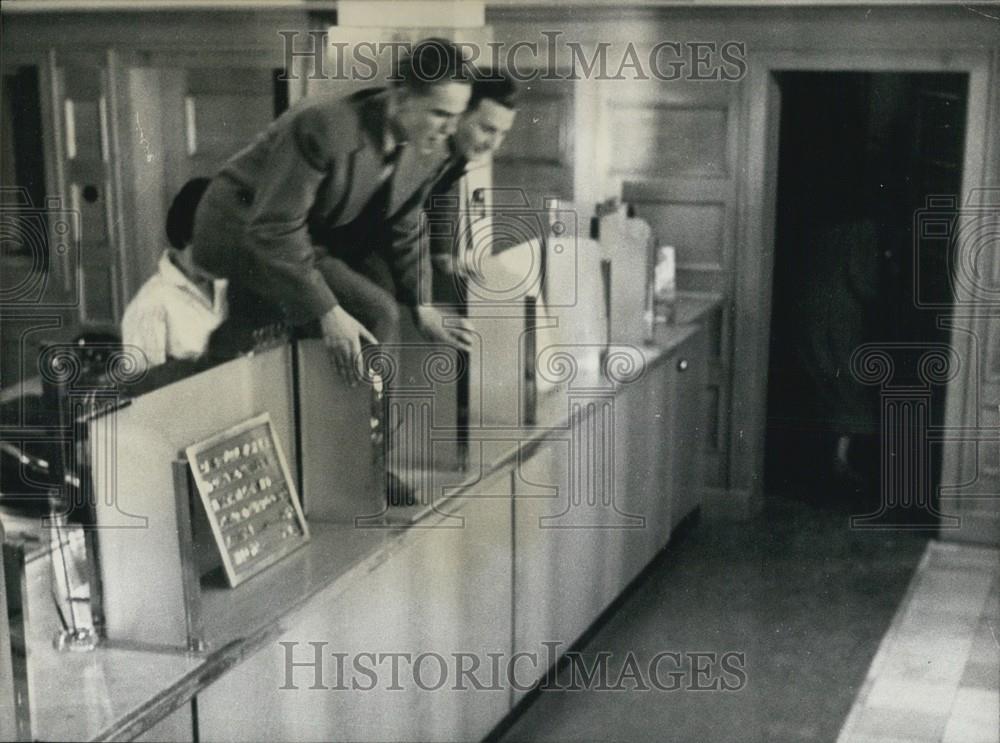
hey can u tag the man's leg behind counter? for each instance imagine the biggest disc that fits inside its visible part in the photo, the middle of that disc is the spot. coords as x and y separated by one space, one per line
366 290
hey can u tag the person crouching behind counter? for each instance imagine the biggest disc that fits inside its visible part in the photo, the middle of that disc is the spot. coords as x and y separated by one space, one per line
175 312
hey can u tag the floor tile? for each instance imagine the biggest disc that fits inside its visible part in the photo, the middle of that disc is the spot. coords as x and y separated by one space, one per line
981 675
894 693
935 675
977 704
970 730
923 668
905 723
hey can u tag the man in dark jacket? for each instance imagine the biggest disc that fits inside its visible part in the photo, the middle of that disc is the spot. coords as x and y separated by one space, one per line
317 169
480 132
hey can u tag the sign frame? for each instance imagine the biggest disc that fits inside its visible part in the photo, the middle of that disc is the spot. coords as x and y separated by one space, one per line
234 574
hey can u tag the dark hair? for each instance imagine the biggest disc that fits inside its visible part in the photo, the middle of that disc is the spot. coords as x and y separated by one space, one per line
494 86
180 217
431 61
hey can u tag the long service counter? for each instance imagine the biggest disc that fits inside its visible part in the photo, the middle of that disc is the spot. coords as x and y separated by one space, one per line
483 583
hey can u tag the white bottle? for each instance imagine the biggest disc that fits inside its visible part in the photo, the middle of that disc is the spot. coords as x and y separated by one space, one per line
665 284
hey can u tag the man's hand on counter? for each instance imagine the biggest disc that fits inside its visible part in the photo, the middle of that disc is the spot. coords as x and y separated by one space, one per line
430 322
344 337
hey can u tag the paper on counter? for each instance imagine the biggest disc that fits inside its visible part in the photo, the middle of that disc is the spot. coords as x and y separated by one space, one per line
508 276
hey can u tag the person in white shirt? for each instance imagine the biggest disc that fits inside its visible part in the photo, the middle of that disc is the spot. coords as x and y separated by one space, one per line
177 309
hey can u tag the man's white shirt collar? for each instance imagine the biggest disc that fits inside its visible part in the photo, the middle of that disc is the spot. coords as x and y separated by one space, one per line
174 276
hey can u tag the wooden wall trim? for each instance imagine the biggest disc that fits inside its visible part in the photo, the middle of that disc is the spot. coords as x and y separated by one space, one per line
960 463
176 32
762 28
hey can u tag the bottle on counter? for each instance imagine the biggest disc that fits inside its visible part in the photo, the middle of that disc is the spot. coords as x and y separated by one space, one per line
665 285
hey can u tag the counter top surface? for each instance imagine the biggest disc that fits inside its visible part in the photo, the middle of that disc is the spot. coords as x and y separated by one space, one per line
692 306
91 695
345 552
341 551
116 692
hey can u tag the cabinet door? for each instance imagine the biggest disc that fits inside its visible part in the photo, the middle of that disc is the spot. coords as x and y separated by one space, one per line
557 565
645 453
442 589
178 726
688 376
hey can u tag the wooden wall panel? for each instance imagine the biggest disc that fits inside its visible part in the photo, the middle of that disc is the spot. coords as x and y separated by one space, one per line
690 202
653 130
540 131
225 109
696 230
674 152
537 155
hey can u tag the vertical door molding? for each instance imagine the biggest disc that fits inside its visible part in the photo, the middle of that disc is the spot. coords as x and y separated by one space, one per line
970 476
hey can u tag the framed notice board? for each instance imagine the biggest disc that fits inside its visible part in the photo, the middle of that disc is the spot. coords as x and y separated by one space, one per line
249 497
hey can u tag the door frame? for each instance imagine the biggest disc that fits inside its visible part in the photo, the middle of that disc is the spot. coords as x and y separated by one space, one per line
761 110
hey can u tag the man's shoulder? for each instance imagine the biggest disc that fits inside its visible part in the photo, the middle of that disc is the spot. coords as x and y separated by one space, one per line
339 121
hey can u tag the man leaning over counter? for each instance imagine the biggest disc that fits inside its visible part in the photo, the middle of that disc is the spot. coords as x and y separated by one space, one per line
321 166
480 132
360 276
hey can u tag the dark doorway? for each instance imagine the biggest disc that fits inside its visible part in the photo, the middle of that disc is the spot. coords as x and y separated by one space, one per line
859 155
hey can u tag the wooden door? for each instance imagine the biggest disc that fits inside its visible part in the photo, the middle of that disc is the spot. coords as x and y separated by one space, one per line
38 277
678 169
61 253
86 104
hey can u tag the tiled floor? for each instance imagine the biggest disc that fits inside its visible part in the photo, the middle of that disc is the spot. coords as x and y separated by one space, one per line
936 676
806 598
